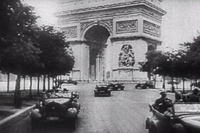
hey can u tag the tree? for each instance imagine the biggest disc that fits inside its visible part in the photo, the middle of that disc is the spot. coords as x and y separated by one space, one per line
26 49
17 50
55 56
153 58
159 63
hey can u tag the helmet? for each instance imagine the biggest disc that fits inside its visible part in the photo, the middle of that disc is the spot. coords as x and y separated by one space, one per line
178 95
195 91
163 93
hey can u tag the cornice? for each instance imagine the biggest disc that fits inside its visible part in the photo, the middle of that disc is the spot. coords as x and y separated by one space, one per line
87 42
110 14
112 6
119 38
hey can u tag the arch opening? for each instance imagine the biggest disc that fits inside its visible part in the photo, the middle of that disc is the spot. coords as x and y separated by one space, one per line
96 37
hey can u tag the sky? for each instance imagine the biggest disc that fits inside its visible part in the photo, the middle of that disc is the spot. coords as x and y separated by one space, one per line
45 9
180 24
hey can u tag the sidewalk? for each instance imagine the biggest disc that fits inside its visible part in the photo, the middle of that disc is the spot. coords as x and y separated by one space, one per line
9 114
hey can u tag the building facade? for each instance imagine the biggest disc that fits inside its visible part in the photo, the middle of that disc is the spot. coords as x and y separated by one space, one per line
109 37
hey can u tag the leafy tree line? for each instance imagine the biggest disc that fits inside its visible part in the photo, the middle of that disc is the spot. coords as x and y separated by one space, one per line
27 49
183 63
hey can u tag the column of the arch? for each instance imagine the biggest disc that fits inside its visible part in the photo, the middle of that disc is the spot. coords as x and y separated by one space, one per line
98 68
102 64
140 47
115 50
108 59
76 72
84 62
81 55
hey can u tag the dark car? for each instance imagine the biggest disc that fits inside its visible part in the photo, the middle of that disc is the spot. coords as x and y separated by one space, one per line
62 81
183 118
53 106
102 89
145 85
116 86
70 81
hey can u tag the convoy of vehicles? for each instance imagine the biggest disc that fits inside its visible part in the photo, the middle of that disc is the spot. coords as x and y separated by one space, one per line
181 117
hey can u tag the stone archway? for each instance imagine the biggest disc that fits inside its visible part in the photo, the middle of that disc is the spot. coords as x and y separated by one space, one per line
96 37
98 30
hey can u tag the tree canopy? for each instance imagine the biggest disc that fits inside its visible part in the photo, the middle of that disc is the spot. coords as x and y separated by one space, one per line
54 54
28 49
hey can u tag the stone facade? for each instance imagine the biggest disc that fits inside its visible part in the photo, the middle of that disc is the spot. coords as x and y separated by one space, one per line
109 38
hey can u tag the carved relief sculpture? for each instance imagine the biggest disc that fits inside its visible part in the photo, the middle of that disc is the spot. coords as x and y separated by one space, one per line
126 56
151 29
129 26
70 32
107 23
85 25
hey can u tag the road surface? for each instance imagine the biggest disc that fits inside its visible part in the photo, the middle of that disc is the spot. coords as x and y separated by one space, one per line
123 112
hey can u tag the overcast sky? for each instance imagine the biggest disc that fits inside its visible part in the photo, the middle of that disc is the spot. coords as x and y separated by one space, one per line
180 24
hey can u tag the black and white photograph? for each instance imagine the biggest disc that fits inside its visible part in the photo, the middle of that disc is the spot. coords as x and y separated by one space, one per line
100 66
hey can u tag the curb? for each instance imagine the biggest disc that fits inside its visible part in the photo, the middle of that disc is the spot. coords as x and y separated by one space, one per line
12 119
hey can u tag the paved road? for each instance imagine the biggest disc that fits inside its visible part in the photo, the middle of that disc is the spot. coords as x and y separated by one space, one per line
123 112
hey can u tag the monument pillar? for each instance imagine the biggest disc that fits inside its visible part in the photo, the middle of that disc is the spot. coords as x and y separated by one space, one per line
84 62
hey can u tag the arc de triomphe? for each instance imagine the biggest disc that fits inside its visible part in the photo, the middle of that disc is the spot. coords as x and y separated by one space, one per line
110 37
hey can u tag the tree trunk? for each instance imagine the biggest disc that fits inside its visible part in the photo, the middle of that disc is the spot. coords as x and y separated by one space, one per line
30 92
48 82
44 78
163 86
8 82
173 88
53 79
184 85
17 94
38 85
149 75
155 81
